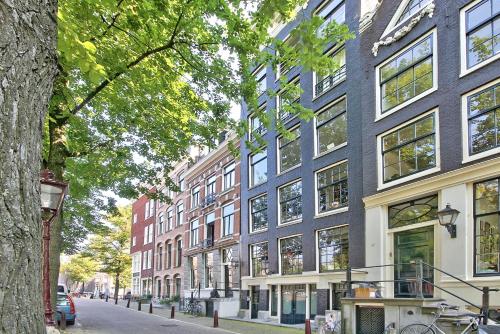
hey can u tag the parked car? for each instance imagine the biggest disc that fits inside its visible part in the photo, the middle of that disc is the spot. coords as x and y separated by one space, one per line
62 288
66 305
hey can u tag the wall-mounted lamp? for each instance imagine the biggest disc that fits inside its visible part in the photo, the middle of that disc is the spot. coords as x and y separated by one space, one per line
447 218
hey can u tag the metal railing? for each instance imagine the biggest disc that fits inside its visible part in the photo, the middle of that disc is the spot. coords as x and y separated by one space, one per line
419 282
330 81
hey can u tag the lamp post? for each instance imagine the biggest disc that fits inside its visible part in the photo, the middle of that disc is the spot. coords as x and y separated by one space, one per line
52 196
447 218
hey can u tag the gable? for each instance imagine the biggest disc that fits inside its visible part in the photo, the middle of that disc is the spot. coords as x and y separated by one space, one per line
406 10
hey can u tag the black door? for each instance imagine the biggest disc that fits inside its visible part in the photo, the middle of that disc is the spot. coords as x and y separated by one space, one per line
293 304
228 292
410 246
254 302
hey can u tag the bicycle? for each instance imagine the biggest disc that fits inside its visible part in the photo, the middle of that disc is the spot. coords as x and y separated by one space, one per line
330 326
194 308
432 328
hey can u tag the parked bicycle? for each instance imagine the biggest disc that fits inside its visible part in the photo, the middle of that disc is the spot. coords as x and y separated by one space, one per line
330 326
432 328
193 307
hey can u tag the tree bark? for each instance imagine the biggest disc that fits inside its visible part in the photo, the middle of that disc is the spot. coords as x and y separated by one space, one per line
117 284
28 66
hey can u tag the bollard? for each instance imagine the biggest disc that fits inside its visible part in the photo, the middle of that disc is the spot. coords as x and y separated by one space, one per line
151 307
308 326
172 312
62 324
216 319
107 298
139 306
128 303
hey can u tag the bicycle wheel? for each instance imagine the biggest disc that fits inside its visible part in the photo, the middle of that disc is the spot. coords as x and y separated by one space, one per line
417 329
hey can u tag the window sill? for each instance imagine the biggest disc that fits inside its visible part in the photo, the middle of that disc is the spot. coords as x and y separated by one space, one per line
469 158
467 71
331 213
226 191
293 222
379 116
338 147
258 232
289 169
409 178
257 185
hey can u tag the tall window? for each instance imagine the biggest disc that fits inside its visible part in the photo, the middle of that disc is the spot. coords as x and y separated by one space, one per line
486 229
146 211
291 255
133 241
331 127
325 82
170 219
260 77
151 207
193 268
169 256
258 168
290 202
182 183
195 197
135 218
410 149
285 100
289 150
229 176
209 267
256 127
180 214
228 220
179 253
483 111
259 254
159 264
331 10
287 62
210 193
258 213
332 188
194 233
412 8
333 249
160 224
407 75
482 27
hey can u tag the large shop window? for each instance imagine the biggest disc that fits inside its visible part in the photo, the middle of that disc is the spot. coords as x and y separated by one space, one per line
407 75
291 255
486 226
290 202
332 188
331 127
483 113
258 168
413 212
410 149
333 249
258 213
482 29
330 80
289 150
259 254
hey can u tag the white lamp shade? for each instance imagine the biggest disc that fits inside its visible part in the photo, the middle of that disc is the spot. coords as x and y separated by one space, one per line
50 196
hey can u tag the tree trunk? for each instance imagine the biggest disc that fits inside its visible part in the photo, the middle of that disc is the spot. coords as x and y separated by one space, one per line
117 284
28 41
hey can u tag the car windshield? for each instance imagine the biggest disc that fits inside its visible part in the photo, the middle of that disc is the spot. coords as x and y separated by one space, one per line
61 299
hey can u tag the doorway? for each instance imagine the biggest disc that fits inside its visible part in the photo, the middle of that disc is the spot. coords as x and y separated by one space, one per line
293 304
410 246
254 302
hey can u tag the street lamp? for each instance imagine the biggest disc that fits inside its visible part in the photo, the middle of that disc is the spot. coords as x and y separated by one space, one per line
447 218
52 196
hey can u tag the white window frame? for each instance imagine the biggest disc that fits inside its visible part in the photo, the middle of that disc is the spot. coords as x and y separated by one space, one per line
134 240
251 258
135 219
463 44
223 227
380 161
177 223
379 115
315 128
257 74
316 245
253 115
233 178
250 220
251 183
161 224
279 253
466 156
193 206
295 221
278 151
191 233
317 214
146 210
393 24
294 80
330 53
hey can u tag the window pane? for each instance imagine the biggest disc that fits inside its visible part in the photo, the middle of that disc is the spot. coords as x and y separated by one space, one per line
486 197
478 14
290 197
332 134
480 45
413 212
483 132
332 188
258 207
333 249
258 168
290 154
487 244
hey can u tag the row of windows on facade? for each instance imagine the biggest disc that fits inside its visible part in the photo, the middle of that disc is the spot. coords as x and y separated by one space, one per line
227 227
228 182
164 259
333 243
407 75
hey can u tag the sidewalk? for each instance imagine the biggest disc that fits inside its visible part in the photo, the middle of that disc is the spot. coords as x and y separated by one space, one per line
231 325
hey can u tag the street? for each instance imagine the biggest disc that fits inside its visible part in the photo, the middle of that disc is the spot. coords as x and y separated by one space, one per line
96 317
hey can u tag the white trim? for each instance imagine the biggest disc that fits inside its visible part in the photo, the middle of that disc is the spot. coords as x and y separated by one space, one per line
316 250
393 24
294 80
279 205
463 45
251 258
318 214
437 168
250 229
315 127
466 156
278 151
250 166
279 255
252 115
378 108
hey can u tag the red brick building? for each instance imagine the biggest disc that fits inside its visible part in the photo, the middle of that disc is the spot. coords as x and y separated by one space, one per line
142 245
